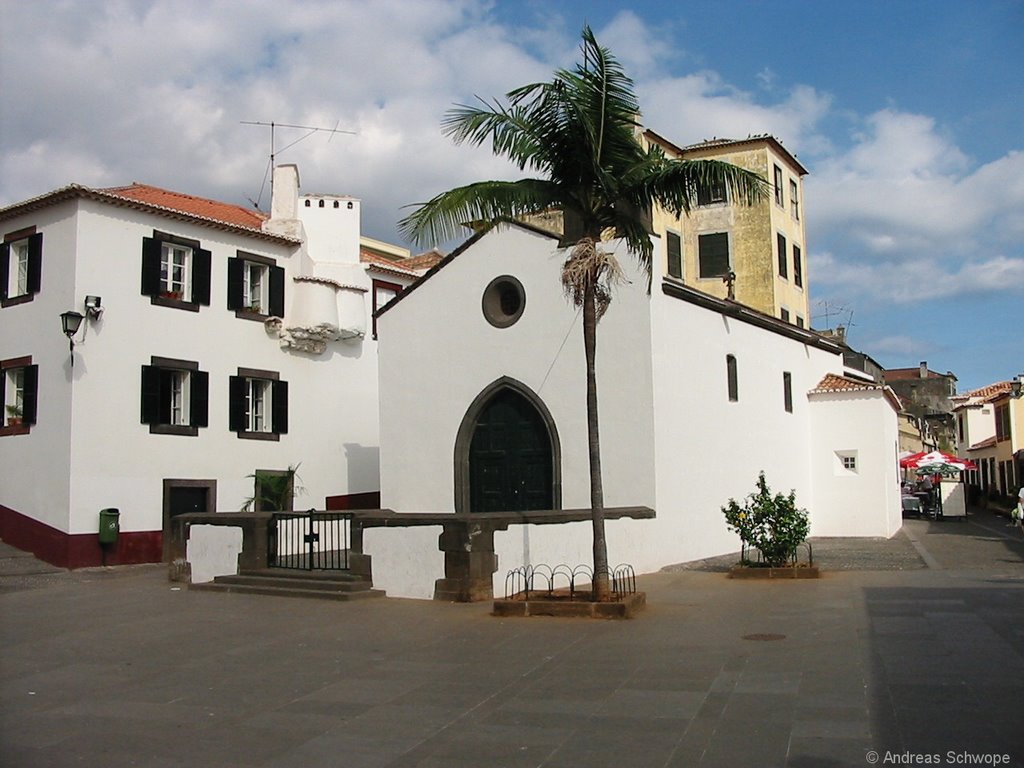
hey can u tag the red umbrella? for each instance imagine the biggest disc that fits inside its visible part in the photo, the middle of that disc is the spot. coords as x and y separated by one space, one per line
937 458
910 462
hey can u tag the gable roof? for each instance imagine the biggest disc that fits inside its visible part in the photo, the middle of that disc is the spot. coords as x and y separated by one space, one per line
444 261
984 395
905 374
162 202
197 206
717 144
835 383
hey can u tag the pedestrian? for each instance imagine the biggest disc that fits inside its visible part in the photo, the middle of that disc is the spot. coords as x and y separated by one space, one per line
1018 512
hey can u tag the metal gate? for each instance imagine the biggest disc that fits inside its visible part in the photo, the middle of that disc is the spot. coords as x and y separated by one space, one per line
309 540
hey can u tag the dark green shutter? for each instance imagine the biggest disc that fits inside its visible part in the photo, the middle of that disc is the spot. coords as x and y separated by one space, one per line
5 267
150 266
236 404
675 255
713 254
781 244
30 394
150 394
35 263
236 281
798 266
199 398
277 291
279 396
201 264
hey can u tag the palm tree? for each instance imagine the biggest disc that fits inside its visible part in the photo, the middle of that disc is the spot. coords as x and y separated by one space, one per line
580 133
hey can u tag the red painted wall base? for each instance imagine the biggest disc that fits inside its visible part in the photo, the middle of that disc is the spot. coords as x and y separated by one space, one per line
77 550
369 500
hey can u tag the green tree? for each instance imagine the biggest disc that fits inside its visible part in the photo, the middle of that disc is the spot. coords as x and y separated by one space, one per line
771 523
580 134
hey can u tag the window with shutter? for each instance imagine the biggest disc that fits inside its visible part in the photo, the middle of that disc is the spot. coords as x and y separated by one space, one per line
257 404
21 266
255 287
19 386
174 397
175 271
713 254
780 244
674 245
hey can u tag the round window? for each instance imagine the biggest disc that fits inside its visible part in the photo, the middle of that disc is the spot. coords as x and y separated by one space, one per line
503 302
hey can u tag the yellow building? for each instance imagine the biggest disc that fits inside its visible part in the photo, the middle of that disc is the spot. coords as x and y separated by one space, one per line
762 245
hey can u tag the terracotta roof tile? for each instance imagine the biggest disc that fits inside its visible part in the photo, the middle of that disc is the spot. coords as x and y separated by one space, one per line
835 383
414 266
196 206
424 260
986 443
988 393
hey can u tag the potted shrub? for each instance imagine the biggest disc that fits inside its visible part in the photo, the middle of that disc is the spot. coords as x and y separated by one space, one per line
775 527
14 415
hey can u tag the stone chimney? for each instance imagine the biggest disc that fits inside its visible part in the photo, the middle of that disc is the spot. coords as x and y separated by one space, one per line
924 369
284 204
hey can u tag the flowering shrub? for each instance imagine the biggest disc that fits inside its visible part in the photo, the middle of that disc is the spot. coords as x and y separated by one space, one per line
772 524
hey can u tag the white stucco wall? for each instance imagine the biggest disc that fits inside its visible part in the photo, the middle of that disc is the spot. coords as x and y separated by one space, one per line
710 449
213 551
34 468
865 502
438 352
89 449
670 436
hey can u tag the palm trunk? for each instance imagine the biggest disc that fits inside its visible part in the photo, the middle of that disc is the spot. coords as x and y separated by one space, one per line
601 576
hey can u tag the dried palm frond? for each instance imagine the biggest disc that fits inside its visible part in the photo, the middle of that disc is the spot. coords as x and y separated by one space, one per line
588 266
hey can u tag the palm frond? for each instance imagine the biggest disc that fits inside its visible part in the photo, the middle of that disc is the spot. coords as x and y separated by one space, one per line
676 184
443 217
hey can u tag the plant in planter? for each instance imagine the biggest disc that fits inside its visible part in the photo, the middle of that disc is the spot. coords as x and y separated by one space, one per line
274 491
14 415
770 523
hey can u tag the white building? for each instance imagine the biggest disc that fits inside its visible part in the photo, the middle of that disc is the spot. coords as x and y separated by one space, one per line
219 348
697 395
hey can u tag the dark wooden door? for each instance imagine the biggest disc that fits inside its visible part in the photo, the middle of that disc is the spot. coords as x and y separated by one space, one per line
510 457
182 496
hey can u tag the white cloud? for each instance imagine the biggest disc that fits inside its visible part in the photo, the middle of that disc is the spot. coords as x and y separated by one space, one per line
155 91
903 188
913 281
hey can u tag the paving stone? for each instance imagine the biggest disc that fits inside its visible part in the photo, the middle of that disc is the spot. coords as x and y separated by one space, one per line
115 667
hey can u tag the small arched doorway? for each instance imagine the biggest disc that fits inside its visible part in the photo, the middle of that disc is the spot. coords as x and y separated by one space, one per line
507 453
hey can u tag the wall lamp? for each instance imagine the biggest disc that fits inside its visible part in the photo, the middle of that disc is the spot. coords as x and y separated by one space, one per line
93 307
70 322
1015 386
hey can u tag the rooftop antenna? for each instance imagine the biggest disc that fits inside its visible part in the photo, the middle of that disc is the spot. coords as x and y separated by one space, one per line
830 310
310 130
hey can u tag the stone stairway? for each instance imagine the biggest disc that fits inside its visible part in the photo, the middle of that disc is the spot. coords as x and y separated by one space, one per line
321 585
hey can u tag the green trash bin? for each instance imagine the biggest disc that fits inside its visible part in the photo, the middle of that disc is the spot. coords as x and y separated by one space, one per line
109 525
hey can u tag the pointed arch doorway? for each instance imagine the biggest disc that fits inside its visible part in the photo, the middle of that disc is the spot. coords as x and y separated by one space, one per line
507 455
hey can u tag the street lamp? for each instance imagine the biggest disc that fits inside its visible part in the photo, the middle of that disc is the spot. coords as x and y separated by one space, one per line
70 322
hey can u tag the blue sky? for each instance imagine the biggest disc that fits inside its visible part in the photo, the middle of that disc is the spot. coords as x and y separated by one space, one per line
909 116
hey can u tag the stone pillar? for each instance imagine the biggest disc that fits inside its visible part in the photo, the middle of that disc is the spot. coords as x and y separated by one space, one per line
469 562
